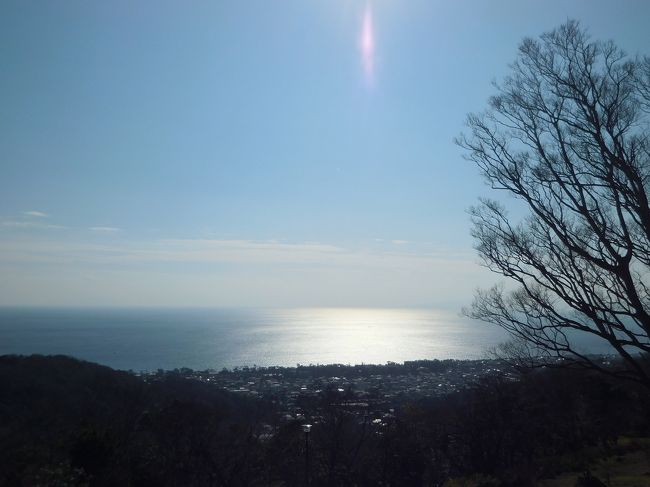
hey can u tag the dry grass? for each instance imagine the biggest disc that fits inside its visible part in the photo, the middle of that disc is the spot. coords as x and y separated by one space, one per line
627 465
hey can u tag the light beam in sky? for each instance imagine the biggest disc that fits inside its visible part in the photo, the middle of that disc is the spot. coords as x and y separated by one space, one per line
367 45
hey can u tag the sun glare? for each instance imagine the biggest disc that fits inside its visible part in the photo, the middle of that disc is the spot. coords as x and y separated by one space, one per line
367 45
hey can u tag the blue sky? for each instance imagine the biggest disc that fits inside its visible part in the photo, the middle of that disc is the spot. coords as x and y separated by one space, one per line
242 154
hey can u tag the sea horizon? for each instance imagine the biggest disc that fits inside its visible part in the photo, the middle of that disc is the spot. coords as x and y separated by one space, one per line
151 338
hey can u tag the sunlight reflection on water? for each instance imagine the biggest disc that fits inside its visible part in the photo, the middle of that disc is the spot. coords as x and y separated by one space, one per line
148 339
368 336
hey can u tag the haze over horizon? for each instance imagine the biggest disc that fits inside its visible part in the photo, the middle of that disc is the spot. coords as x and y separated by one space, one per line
249 154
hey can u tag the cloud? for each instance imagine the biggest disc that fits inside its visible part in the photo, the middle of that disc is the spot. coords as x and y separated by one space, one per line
223 272
28 220
105 229
28 224
37 214
243 253
399 242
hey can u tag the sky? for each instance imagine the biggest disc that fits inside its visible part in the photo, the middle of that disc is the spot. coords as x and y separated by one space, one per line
231 153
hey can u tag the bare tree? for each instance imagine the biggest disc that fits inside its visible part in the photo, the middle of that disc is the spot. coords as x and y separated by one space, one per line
568 135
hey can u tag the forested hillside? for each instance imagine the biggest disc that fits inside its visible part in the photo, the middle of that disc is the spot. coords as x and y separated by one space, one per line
67 422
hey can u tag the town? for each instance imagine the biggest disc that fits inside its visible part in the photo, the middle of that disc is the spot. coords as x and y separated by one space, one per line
375 393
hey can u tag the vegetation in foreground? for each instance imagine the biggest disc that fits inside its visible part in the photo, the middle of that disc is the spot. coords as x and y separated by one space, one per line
568 134
67 422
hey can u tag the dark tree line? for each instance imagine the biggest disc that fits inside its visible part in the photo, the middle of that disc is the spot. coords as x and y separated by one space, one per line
66 422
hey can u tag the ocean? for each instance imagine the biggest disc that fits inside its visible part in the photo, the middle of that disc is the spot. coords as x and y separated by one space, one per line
150 339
